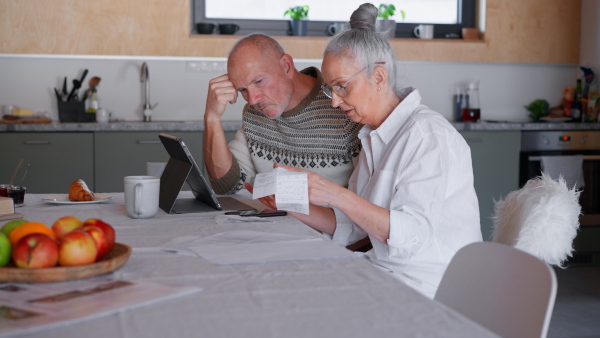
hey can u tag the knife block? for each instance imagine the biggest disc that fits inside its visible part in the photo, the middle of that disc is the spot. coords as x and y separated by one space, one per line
74 111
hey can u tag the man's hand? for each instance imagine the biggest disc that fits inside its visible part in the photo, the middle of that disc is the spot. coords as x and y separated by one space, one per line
220 91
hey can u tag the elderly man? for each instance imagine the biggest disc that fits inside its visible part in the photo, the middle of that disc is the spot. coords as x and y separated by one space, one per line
287 120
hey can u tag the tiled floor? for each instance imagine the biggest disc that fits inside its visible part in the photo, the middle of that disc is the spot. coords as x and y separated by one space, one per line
577 308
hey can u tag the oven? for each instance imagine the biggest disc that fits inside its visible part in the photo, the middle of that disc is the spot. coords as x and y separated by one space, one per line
535 144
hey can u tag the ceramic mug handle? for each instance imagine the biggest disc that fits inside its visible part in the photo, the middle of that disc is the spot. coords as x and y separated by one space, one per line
137 201
331 29
417 31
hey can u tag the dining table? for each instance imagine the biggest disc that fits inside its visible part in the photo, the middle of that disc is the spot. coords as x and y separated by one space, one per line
311 294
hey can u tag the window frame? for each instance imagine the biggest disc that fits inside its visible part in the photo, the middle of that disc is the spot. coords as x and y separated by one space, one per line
467 13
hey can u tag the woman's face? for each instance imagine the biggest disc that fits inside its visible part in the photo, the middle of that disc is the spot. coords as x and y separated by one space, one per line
361 92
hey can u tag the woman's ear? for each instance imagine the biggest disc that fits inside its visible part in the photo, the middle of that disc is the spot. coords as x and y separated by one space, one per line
380 77
287 64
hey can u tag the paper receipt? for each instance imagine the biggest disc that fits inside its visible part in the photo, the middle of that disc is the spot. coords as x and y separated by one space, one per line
289 187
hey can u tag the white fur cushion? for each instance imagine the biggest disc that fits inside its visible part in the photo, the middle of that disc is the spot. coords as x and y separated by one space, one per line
541 218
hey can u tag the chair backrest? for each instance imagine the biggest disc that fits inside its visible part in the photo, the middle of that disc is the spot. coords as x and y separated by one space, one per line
504 289
541 218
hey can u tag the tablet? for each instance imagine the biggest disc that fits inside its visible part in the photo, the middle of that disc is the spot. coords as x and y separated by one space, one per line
183 168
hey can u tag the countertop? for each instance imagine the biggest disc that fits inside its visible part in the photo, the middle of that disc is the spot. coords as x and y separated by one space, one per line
235 125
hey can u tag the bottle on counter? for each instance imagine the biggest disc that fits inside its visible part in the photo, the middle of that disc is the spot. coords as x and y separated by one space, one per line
576 108
92 102
457 103
472 111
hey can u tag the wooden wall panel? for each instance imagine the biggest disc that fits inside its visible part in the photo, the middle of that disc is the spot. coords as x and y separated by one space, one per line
531 31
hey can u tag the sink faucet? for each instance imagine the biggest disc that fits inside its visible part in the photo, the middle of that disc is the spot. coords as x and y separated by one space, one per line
147 107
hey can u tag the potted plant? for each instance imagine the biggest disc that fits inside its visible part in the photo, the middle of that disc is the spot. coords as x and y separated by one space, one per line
385 25
537 109
298 19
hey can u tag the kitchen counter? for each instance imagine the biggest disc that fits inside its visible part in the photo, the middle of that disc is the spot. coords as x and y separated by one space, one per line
235 125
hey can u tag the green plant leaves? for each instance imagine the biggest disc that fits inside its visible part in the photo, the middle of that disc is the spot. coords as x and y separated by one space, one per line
388 10
538 108
297 12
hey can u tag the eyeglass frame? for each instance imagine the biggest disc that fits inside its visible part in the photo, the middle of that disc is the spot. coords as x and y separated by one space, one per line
335 89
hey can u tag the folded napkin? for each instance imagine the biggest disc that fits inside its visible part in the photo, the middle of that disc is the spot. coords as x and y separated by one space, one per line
570 167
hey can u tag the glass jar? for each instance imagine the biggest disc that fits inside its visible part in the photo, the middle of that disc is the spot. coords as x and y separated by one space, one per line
471 111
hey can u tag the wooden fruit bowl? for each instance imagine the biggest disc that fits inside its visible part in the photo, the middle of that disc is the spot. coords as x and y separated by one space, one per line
112 261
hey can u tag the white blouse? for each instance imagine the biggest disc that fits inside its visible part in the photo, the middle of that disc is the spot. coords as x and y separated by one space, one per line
419 167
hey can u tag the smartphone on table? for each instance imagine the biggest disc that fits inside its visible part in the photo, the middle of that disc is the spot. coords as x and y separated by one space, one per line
257 213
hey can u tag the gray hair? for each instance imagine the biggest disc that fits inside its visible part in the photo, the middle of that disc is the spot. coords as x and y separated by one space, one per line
365 45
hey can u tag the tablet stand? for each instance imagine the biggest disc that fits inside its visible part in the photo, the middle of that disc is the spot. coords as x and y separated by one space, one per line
172 180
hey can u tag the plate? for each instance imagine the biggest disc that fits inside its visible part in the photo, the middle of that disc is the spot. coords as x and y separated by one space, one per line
64 199
555 119
112 261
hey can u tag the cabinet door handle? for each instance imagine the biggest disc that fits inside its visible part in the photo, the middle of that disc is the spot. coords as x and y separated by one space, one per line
36 142
147 142
585 158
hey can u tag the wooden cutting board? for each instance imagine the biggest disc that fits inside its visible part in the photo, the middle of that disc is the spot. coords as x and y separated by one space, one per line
5 121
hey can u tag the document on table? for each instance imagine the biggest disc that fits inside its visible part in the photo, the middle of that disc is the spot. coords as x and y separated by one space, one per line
28 308
254 247
289 187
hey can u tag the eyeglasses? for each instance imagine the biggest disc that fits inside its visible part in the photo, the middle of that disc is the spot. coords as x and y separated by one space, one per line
341 89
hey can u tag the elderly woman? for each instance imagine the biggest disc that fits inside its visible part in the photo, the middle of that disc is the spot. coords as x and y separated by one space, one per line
412 191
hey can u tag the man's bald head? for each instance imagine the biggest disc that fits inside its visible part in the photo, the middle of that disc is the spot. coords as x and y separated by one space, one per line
267 47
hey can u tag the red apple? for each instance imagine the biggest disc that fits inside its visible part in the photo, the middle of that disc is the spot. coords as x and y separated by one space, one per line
66 224
109 231
35 251
77 248
99 238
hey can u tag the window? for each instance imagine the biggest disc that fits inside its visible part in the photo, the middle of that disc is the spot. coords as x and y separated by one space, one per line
266 16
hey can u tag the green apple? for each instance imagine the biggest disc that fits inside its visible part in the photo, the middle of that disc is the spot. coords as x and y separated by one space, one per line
8 227
5 249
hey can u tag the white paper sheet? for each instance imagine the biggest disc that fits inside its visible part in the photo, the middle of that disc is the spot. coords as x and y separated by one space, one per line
250 247
28 308
289 187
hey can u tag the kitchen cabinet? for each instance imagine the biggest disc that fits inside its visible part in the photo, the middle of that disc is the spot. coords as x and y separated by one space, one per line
495 157
120 154
55 160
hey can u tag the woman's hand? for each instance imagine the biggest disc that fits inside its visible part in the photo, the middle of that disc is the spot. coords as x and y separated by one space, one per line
320 190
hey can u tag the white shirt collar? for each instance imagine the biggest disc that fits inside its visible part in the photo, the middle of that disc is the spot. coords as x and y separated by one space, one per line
398 117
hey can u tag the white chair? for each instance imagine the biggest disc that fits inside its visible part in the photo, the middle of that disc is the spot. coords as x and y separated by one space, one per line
541 218
506 290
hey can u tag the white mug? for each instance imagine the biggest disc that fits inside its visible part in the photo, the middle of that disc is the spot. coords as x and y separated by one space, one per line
155 168
141 196
424 31
337 27
102 116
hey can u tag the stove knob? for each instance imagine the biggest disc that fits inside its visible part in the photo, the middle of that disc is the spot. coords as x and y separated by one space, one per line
545 140
582 141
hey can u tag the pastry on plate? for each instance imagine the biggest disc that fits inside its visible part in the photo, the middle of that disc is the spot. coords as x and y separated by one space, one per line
79 191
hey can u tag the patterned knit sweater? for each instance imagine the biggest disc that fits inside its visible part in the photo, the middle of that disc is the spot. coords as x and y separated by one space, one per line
313 136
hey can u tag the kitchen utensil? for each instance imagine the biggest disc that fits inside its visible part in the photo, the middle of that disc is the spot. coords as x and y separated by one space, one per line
58 96
25 173
64 92
77 85
15 173
94 82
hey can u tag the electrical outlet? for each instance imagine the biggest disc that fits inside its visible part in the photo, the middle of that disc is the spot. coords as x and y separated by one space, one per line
192 66
205 66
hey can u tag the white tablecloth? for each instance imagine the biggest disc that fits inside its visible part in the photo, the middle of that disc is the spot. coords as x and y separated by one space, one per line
341 297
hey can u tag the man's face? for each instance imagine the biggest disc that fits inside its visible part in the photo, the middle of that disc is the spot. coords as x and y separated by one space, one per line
262 81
